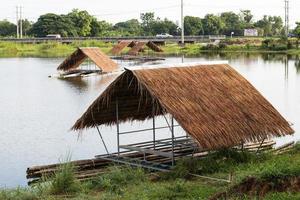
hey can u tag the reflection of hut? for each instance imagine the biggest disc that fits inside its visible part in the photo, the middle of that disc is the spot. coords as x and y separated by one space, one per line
71 64
213 104
136 47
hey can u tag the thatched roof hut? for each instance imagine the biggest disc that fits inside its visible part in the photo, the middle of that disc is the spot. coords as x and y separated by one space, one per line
139 46
136 47
117 49
94 53
214 104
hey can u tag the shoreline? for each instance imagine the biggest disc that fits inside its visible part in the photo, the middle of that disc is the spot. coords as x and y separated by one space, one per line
58 50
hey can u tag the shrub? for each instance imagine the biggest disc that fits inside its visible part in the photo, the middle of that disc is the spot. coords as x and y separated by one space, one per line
64 181
18 194
220 161
117 178
279 170
222 45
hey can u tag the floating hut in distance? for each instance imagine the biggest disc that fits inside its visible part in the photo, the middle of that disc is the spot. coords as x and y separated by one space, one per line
103 64
136 48
212 103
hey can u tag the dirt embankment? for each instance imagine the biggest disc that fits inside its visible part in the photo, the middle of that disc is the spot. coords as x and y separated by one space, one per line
258 188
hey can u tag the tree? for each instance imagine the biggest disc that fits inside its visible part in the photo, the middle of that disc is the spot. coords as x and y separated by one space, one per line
271 25
7 28
193 26
297 34
101 28
130 27
232 23
246 16
54 24
147 21
164 26
212 24
82 20
27 25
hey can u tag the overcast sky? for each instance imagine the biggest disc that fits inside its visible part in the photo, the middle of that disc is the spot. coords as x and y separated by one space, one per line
120 10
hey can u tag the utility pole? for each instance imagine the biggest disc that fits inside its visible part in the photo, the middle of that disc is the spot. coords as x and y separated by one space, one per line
182 24
21 23
17 9
286 12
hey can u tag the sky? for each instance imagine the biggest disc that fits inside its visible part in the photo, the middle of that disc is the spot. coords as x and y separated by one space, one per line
120 10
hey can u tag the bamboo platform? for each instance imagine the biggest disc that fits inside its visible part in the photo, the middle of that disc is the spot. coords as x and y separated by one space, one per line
153 156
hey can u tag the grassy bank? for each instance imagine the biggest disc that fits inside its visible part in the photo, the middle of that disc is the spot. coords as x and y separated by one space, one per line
52 49
127 183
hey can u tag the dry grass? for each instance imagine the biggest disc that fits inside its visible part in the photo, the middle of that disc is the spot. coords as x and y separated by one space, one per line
95 54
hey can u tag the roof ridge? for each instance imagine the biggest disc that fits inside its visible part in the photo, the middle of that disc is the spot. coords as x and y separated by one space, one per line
188 64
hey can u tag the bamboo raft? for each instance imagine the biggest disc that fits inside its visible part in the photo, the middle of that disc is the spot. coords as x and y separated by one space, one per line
77 73
91 168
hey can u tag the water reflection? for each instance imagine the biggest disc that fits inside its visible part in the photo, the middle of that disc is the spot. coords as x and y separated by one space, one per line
297 64
76 82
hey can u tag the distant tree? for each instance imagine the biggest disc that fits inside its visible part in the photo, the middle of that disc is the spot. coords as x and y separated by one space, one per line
54 24
7 28
246 16
102 28
193 26
164 26
271 25
131 27
297 34
27 26
297 30
277 25
232 23
147 22
212 24
82 20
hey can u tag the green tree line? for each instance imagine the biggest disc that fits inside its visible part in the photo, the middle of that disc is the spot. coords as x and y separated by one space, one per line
81 23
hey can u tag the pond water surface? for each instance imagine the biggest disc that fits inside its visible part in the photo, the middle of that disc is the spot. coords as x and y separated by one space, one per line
36 112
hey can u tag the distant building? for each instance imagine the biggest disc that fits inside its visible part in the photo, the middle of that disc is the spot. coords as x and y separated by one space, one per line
251 32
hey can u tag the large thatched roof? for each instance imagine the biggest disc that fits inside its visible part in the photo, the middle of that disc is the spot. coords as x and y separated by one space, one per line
213 103
94 53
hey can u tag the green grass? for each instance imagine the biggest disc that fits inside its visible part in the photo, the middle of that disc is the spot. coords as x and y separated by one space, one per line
50 49
128 183
54 49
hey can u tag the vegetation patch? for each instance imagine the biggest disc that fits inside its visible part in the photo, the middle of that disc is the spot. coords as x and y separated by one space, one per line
266 176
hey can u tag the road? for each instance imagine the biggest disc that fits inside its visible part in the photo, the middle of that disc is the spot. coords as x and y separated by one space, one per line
175 39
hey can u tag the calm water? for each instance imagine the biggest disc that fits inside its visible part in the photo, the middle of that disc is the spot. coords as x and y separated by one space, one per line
36 112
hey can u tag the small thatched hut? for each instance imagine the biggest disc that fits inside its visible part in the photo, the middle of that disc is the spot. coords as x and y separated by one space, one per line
95 54
214 104
136 47
117 49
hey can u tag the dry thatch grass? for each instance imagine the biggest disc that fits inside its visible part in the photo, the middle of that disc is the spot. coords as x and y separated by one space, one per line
212 103
95 54
139 46
117 49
